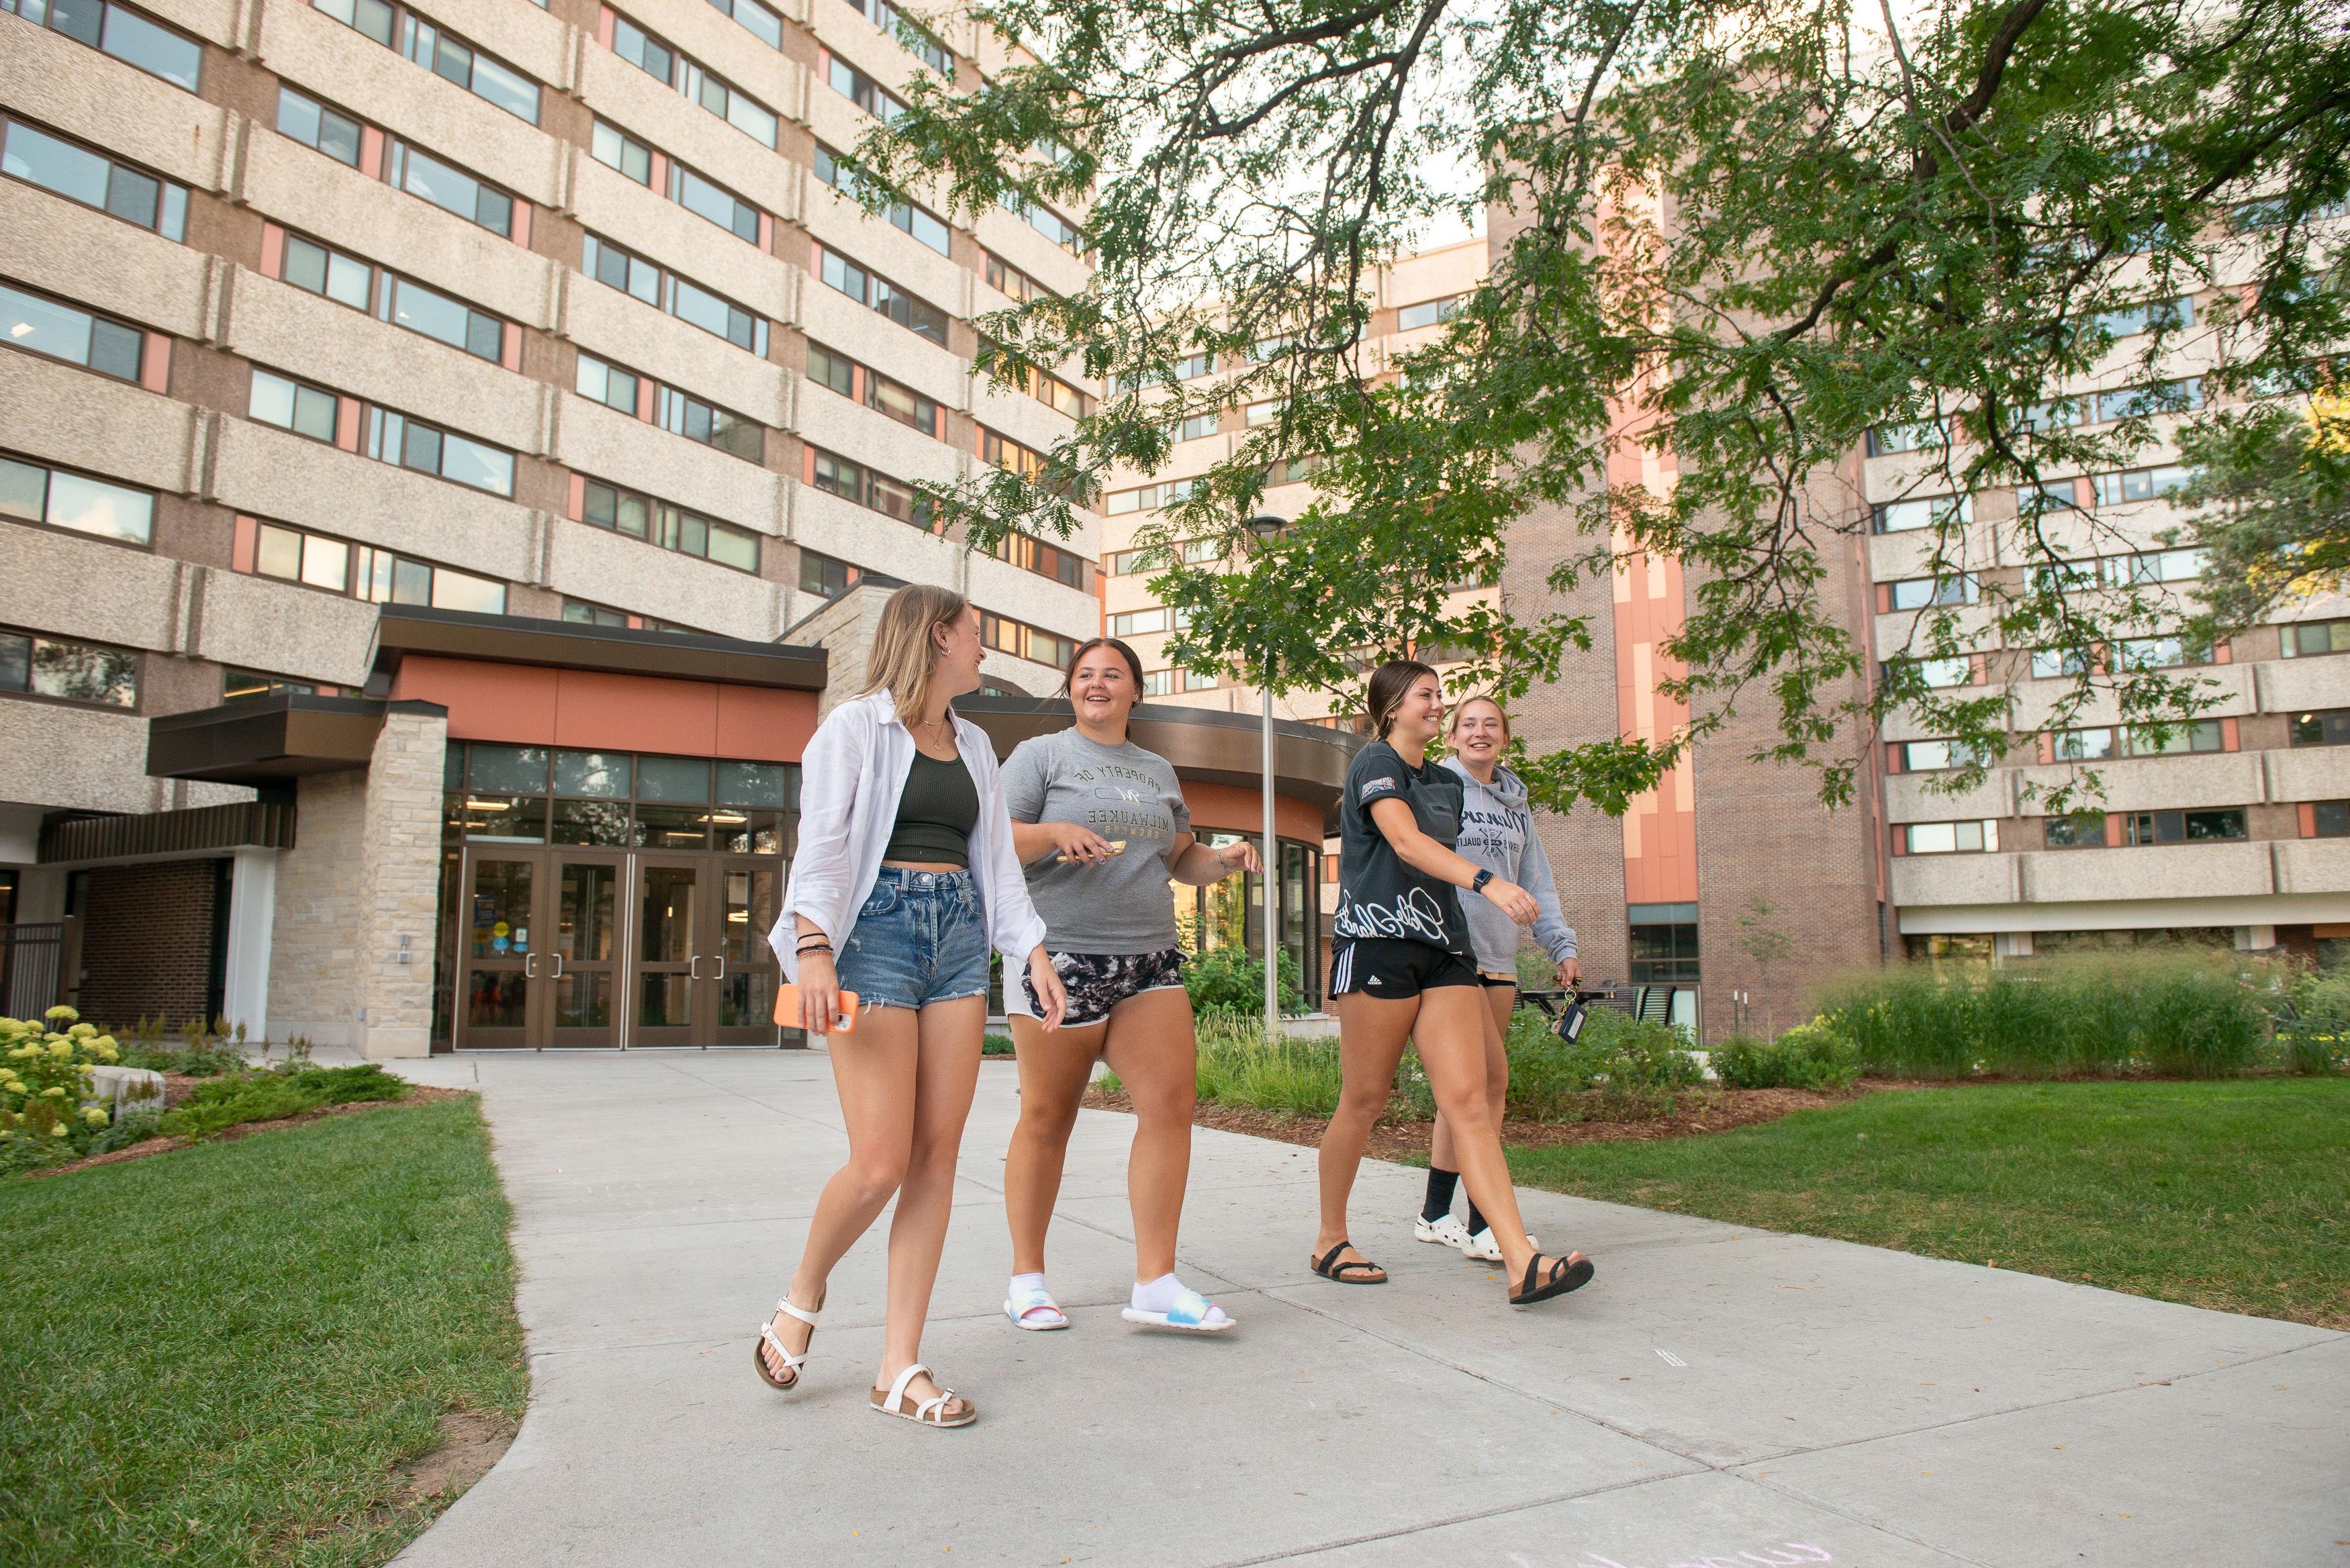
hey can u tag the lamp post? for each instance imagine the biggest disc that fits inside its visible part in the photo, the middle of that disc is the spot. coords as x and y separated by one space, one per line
1265 525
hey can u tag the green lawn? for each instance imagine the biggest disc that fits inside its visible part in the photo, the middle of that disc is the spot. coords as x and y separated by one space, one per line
2233 1195
219 1356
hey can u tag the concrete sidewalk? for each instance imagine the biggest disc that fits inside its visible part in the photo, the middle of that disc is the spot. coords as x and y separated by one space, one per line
1717 1397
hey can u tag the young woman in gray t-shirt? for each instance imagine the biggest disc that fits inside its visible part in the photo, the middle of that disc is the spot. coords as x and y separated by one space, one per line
1100 827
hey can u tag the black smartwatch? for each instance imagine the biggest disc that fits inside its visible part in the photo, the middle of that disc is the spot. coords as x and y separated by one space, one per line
1484 877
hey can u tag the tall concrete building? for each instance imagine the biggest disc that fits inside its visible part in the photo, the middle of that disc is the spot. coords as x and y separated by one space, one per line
422 422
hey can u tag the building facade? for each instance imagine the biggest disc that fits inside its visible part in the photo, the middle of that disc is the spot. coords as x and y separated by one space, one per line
534 312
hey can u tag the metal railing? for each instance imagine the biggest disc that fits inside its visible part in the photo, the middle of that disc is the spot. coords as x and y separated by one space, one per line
31 956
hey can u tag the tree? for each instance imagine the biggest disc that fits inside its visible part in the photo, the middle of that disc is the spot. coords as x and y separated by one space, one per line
1740 237
1762 941
2270 509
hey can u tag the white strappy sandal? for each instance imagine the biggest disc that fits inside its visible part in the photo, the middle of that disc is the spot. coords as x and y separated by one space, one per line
930 1412
768 1337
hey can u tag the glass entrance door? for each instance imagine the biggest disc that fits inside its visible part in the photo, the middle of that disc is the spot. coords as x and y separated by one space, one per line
584 947
497 1003
746 971
541 949
673 980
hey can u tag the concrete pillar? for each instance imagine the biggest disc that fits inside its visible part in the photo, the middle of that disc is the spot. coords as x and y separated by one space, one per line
251 927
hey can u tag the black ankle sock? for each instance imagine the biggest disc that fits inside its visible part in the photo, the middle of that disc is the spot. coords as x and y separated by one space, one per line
1440 1184
1476 1221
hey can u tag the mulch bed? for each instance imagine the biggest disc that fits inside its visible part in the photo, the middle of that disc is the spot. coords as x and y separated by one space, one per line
177 1088
1693 1115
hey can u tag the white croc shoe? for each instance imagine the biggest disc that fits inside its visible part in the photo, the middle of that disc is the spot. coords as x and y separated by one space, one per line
1485 1249
1448 1231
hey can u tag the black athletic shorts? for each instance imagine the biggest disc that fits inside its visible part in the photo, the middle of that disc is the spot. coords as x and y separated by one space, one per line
1492 983
1382 966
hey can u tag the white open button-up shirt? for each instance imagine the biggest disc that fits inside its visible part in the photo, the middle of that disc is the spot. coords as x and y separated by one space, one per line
850 781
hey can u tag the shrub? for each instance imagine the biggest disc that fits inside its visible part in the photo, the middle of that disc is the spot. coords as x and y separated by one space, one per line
45 1066
1808 1057
2315 1037
1620 1062
2174 1012
1229 980
202 1051
265 1096
1240 1065
997 1045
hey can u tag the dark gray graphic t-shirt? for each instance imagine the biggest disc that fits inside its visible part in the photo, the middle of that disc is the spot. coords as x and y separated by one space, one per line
1124 905
1379 895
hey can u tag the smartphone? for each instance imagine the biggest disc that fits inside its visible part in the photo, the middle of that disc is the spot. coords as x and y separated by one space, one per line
787 1009
1116 847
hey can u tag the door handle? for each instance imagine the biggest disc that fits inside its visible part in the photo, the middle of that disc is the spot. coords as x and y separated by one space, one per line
722 967
693 966
558 967
527 971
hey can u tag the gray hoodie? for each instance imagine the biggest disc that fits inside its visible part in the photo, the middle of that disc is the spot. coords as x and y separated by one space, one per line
1497 832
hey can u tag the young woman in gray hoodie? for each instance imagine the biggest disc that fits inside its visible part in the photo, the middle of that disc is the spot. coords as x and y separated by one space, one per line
1497 832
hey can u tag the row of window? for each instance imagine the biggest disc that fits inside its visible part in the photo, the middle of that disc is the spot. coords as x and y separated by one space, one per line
696 192
93 179
440 51
668 292
119 31
39 493
881 296
42 326
70 672
917 41
832 369
350 141
2065 664
381 434
359 571
1025 641
2142 568
389 296
828 578
918 221
2087 831
681 413
672 68
858 483
665 524
2184 395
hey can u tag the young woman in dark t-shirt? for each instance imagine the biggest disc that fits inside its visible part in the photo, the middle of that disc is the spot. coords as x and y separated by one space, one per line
1400 971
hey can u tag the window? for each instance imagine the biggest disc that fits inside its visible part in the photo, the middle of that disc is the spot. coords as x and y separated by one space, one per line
856 482
1428 313
2083 746
670 527
883 297
2036 500
94 180
2155 566
582 613
2082 830
2138 484
2051 663
1663 943
1933 756
756 18
878 393
42 666
1032 554
39 493
1050 390
306 411
359 571
1918 593
2161 397
450 188
407 303
1196 428
1138 623
1159 683
313 124
2169 739
1955 672
2329 819
828 578
1005 278
2057 413
919 222
666 291
57 331
1002 451
2162 652
607 384
2323 728
1907 437
237 685
684 414
673 70
1129 563
440 52
2140 827
1044 220
2308 638
917 41
2154 316
1924 512
346 280
428 449
697 194
2271 213
1951 837
1297 471
1025 641
1149 497
861 89
1191 367
121 32
617 148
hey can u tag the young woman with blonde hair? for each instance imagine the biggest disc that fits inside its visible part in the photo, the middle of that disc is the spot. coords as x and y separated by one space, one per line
905 875
1102 827
1497 832
1401 971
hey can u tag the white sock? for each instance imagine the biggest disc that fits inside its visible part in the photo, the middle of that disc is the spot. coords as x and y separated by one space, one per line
1159 1295
1025 1282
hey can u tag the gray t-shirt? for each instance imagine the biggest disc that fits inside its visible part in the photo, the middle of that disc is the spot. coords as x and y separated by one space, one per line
1123 905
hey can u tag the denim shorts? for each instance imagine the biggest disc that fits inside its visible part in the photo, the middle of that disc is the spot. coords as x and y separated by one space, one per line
918 939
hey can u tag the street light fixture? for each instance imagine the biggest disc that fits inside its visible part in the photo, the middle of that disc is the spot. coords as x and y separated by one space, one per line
1266 526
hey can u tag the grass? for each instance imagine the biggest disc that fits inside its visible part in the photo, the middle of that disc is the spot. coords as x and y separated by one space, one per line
2232 1195
218 1356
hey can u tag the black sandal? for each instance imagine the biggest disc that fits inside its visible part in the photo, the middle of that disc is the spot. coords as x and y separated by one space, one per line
1329 1268
1561 1278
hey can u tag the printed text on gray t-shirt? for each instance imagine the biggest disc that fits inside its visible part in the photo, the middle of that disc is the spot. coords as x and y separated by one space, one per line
1124 905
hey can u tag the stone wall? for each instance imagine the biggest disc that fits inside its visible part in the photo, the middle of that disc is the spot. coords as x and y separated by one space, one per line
312 938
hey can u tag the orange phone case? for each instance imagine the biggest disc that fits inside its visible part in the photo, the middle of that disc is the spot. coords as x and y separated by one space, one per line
787 1009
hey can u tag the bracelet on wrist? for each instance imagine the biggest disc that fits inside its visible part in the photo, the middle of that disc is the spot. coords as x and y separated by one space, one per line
816 948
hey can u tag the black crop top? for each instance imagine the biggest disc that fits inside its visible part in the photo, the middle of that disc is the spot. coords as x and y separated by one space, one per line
935 814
